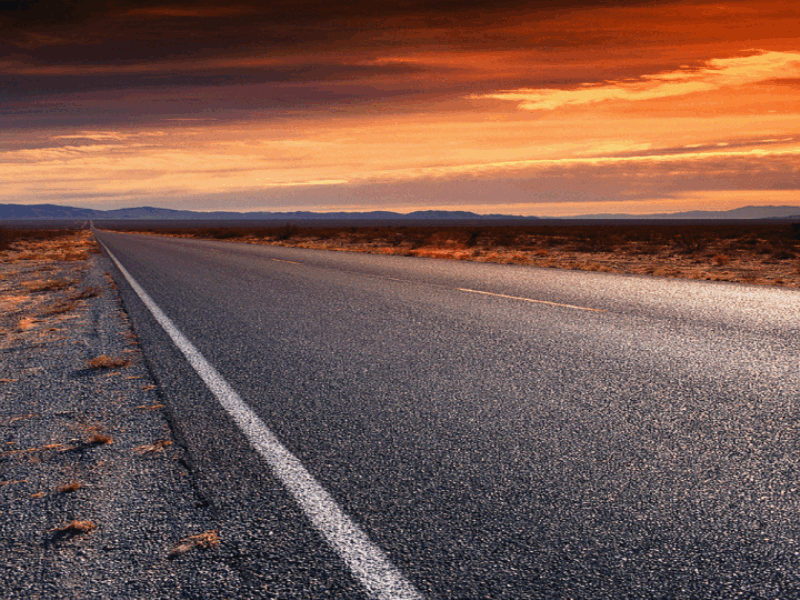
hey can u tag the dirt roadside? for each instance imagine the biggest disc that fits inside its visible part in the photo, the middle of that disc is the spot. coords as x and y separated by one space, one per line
96 496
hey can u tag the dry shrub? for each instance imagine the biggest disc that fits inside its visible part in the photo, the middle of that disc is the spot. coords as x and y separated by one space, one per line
208 539
783 255
26 323
98 439
87 292
72 256
107 362
720 260
60 307
75 528
49 285
68 488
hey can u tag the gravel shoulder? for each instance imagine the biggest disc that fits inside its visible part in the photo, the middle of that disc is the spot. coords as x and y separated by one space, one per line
96 495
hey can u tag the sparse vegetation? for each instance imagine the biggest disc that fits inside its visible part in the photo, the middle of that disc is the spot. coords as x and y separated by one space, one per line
152 406
208 539
98 438
49 285
59 307
45 244
74 528
107 362
154 448
68 488
765 253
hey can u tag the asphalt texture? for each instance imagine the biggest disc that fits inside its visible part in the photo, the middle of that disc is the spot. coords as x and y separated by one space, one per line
493 447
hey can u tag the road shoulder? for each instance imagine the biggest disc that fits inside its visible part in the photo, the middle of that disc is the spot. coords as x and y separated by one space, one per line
96 496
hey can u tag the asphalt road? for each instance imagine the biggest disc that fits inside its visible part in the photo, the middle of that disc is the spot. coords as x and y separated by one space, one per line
565 435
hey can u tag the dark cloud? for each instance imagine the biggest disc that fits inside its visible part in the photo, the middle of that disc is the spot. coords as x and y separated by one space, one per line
123 31
16 87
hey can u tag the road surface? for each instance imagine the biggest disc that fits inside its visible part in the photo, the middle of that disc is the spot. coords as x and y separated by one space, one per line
493 431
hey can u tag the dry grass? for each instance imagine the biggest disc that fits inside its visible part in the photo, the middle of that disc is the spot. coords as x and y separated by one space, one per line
41 285
87 292
107 362
11 482
99 438
154 448
111 283
208 539
26 323
75 528
152 406
56 447
21 452
68 488
45 245
749 252
49 285
23 417
60 307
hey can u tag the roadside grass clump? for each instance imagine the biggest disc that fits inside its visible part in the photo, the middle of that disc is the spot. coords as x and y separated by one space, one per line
87 292
99 439
26 323
60 307
203 541
49 285
93 434
150 407
72 529
154 448
68 488
107 362
111 283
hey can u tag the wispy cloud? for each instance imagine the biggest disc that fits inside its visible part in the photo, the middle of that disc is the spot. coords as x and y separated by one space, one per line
717 73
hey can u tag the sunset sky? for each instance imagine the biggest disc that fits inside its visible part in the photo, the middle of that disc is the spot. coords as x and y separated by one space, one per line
529 108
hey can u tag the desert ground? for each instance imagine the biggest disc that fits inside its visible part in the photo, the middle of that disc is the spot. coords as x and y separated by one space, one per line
752 253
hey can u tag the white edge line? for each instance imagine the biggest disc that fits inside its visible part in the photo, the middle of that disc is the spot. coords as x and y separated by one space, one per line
367 561
532 300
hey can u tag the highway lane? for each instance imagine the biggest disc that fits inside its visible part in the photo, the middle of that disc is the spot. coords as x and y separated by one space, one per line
492 446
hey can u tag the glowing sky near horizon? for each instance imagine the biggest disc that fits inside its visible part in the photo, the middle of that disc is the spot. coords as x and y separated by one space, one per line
543 108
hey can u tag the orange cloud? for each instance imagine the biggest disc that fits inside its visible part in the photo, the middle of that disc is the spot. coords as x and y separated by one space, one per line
717 74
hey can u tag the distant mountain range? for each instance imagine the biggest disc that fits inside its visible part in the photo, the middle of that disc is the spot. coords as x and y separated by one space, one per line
55 212
745 212
52 211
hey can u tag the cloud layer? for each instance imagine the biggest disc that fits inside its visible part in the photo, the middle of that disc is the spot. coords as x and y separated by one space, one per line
718 73
415 104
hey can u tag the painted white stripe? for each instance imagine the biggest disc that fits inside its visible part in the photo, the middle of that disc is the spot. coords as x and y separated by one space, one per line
531 300
368 563
286 261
